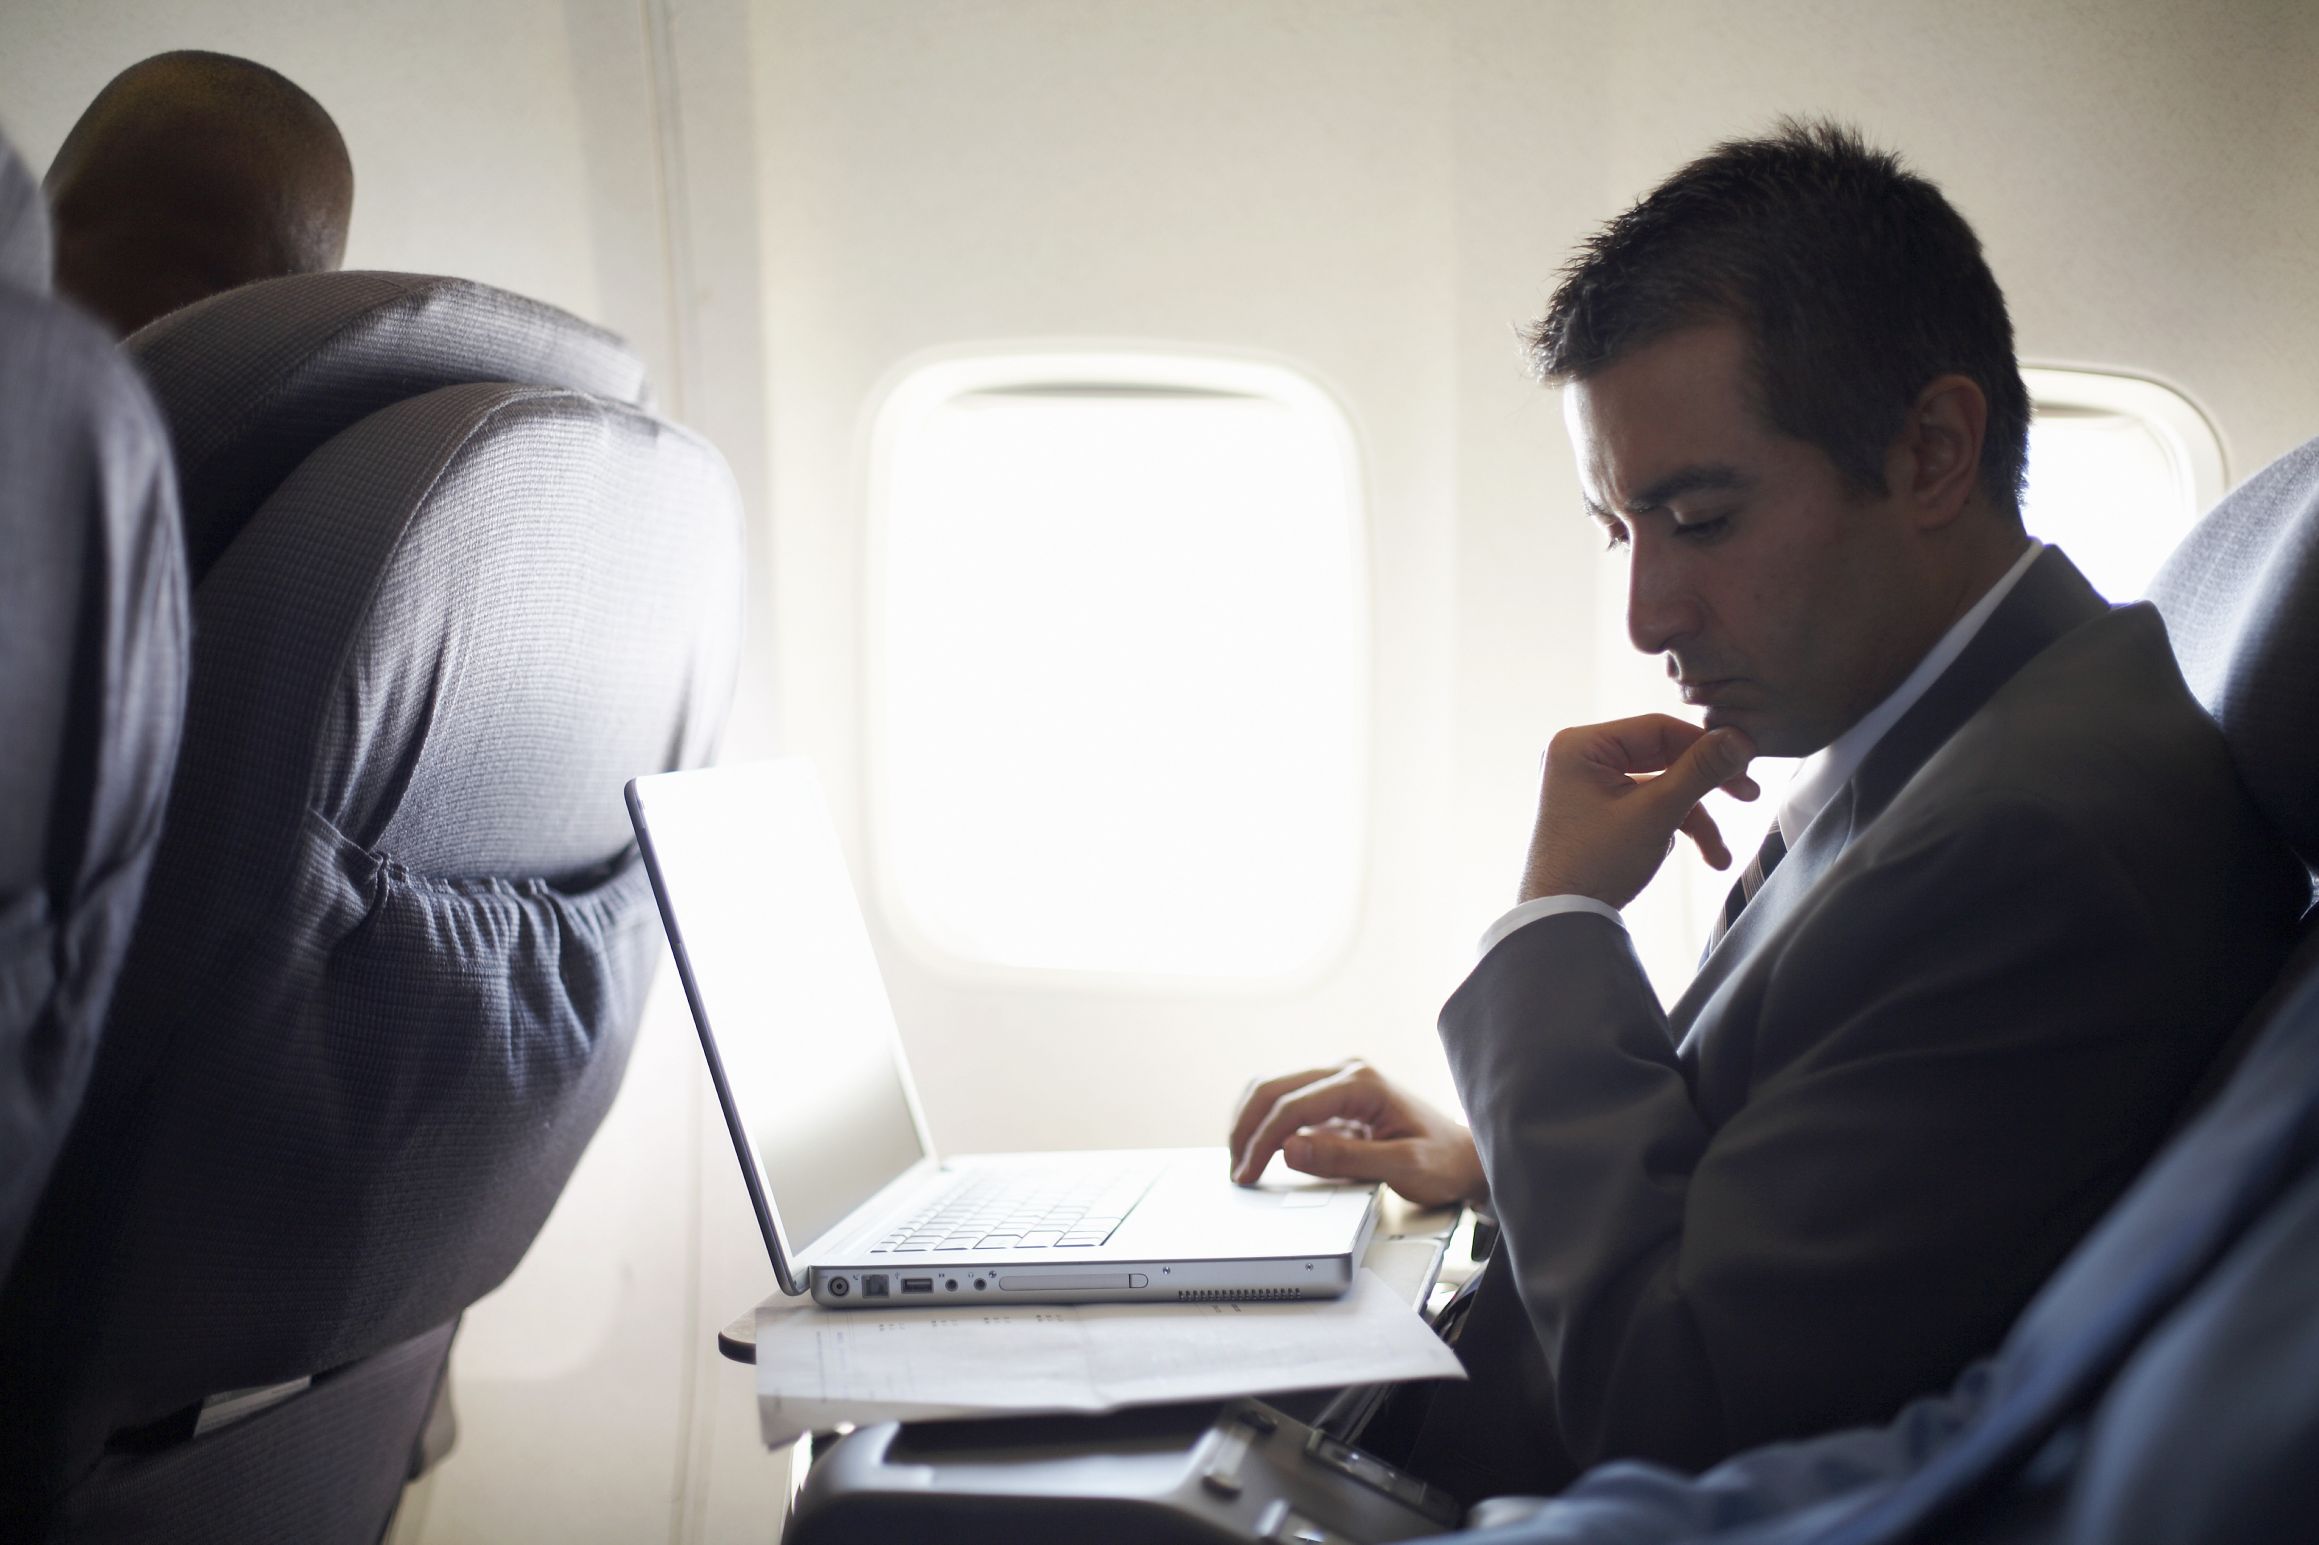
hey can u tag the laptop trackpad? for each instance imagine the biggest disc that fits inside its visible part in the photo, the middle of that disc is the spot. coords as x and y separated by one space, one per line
1195 1209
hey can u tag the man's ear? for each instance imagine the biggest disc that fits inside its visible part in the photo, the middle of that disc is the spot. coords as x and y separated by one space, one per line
1937 460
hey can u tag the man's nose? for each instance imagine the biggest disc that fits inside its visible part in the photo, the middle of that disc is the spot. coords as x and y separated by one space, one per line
1660 609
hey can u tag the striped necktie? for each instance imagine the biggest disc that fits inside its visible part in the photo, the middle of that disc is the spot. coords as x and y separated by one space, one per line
1759 868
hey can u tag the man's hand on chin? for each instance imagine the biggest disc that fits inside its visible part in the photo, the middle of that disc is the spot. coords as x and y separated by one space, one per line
1348 1122
1613 796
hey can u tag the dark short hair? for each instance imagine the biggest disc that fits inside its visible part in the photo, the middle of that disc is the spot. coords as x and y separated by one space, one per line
250 130
1856 281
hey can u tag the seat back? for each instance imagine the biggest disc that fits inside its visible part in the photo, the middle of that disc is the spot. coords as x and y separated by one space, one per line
2240 596
92 689
397 936
2207 1431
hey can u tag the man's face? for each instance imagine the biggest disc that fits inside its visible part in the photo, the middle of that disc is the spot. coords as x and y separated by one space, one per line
1786 603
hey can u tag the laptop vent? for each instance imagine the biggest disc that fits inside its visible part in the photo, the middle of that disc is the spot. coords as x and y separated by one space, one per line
1235 1295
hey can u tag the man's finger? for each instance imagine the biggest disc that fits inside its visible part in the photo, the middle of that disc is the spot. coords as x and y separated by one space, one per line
1257 1101
1409 1165
1341 1156
1700 827
1647 743
1712 760
1336 1095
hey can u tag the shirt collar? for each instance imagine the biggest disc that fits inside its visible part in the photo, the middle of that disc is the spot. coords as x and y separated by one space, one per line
1822 774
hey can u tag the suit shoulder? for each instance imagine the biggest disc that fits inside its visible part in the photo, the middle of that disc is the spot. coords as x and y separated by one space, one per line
2098 745
69 390
2101 715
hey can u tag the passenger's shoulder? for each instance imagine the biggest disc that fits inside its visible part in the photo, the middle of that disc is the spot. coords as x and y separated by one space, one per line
35 320
55 359
2102 711
2097 752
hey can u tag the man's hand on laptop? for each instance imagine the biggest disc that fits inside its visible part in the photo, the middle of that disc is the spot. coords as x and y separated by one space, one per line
1348 1122
1613 796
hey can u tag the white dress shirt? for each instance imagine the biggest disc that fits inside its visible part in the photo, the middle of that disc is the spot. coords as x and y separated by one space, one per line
1828 770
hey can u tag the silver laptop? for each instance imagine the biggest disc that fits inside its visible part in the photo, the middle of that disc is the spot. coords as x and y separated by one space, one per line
855 1205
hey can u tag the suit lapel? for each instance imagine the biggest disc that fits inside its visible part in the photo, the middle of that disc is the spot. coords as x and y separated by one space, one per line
2049 600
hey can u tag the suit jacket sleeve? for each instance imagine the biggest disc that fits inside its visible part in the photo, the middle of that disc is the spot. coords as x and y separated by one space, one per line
1949 1061
1777 1494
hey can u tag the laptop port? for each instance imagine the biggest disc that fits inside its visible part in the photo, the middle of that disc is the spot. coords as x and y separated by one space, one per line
839 1287
874 1285
917 1284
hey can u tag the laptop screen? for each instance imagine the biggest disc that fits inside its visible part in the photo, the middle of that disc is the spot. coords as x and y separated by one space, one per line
754 885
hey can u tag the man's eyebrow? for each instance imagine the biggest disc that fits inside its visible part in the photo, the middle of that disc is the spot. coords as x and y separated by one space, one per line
1700 477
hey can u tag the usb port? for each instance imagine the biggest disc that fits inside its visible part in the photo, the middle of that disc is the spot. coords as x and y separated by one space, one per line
917 1284
874 1285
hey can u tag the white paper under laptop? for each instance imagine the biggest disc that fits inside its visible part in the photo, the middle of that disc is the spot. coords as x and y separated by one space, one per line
854 1203
816 1371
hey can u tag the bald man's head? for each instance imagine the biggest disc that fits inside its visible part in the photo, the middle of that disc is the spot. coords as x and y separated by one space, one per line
189 174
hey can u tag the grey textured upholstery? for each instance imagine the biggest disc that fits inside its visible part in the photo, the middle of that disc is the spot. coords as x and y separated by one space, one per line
255 388
2240 597
25 254
92 685
255 1479
397 938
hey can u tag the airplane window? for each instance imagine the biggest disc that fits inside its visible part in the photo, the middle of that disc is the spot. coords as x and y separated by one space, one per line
1119 666
2120 469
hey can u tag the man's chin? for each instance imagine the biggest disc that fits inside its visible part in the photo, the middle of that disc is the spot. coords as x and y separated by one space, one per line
1764 731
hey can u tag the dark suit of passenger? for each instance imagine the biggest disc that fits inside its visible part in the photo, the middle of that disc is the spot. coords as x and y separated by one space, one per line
1941 1038
93 652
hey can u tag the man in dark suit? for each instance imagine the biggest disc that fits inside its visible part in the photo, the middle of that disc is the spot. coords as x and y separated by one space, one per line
2161 1389
2006 916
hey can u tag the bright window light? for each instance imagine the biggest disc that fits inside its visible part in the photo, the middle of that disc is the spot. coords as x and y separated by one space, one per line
2119 471
1119 666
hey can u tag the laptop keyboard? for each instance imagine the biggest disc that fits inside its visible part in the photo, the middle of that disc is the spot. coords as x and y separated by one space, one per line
1060 1209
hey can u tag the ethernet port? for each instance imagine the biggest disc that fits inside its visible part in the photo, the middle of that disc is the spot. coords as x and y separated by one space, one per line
874 1285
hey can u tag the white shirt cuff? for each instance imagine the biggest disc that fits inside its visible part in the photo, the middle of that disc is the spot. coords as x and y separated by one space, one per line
1545 906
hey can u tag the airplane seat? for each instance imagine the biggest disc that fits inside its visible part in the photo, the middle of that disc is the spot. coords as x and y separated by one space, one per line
247 402
2240 595
92 688
452 586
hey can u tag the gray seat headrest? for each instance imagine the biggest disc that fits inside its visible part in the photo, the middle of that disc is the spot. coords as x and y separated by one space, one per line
24 239
2241 600
254 380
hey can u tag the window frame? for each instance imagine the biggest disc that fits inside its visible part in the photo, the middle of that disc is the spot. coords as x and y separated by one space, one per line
2179 423
921 385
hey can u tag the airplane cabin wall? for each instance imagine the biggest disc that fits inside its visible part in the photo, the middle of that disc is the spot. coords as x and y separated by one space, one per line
780 203
1380 195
